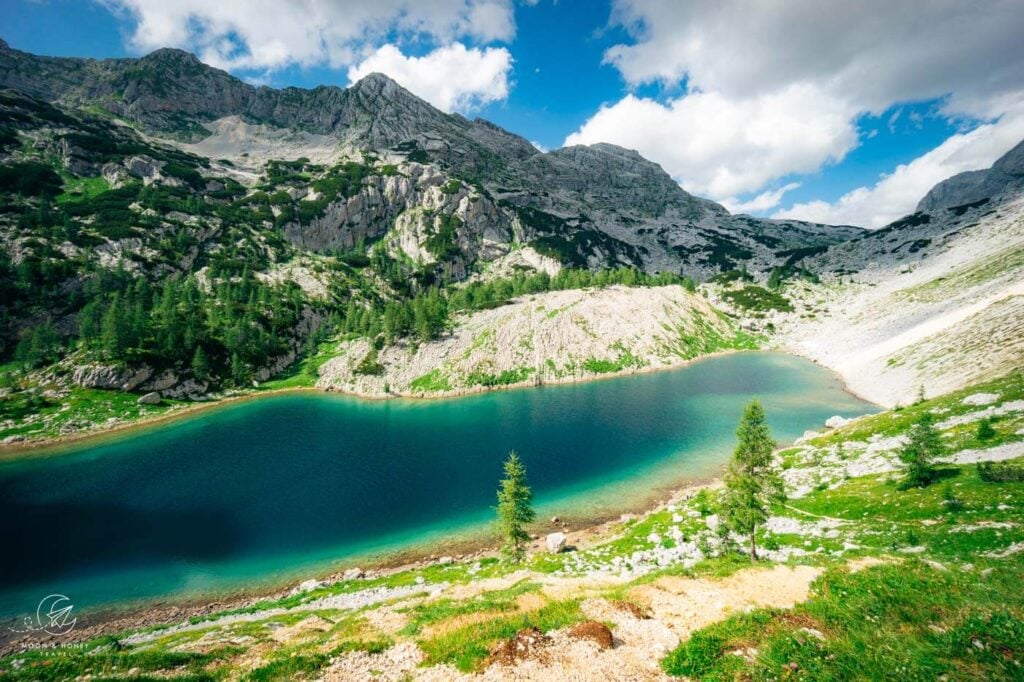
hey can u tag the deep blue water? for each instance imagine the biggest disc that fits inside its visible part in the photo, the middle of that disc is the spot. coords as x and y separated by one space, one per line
290 485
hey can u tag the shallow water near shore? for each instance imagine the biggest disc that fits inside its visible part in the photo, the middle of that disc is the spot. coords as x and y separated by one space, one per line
292 485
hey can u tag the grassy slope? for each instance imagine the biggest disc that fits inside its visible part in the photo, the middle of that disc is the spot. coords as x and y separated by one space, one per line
942 599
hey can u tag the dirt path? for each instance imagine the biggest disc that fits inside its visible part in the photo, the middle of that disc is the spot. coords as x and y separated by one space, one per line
678 606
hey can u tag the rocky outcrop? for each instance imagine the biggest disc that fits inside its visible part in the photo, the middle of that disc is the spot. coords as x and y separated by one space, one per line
111 376
587 206
1005 176
555 337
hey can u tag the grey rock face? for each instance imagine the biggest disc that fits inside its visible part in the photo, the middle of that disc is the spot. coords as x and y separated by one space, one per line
111 377
592 206
1005 176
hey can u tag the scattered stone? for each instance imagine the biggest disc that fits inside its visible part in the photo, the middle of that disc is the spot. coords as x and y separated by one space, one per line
595 632
980 399
555 542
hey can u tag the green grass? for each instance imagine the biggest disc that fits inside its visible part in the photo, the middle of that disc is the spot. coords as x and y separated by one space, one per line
895 422
1003 263
433 381
304 374
906 620
506 377
468 646
80 407
759 299
105 662
76 189
434 611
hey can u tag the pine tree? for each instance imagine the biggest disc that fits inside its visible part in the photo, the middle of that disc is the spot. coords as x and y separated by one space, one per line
751 484
200 364
924 446
985 430
514 509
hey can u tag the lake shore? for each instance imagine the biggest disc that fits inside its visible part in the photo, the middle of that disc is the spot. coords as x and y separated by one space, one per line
52 446
141 615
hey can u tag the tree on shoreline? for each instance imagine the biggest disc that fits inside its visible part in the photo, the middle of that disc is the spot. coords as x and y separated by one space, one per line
751 484
514 510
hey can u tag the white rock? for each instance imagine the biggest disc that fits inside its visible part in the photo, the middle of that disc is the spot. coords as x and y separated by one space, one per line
307 586
655 538
151 398
836 421
353 574
445 560
980 399
555 542
712 522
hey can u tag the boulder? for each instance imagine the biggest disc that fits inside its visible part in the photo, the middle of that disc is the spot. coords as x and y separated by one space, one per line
445 560
555 542
151 398
352 574
836 421
307 586
712 522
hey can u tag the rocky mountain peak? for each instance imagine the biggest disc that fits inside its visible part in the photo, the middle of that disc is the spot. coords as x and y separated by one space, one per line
378 84
1005 176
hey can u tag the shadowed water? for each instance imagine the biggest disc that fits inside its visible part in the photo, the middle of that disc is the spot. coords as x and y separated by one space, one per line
288 485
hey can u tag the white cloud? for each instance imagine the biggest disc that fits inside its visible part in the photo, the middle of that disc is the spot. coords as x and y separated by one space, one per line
872 52
273 34
774 89
721 147
451 77
539 147
896 194
762 202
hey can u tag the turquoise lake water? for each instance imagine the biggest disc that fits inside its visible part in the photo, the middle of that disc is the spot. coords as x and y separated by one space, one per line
289 486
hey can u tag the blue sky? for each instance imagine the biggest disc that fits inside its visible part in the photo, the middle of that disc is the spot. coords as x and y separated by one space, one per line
737 102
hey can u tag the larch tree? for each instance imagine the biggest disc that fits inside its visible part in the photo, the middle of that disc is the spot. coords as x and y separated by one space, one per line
751 484
515 510
923 447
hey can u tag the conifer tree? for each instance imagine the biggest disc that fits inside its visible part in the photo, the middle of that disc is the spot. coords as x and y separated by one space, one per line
514 509
985 430
751 484
200 364
921 450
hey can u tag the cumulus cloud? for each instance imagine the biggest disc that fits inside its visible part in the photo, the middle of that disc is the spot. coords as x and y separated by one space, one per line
774 89
721 147
452 78
762 202
897 193
273 34
872 52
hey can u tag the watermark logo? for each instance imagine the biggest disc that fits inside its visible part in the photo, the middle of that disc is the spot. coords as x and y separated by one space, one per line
53 616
